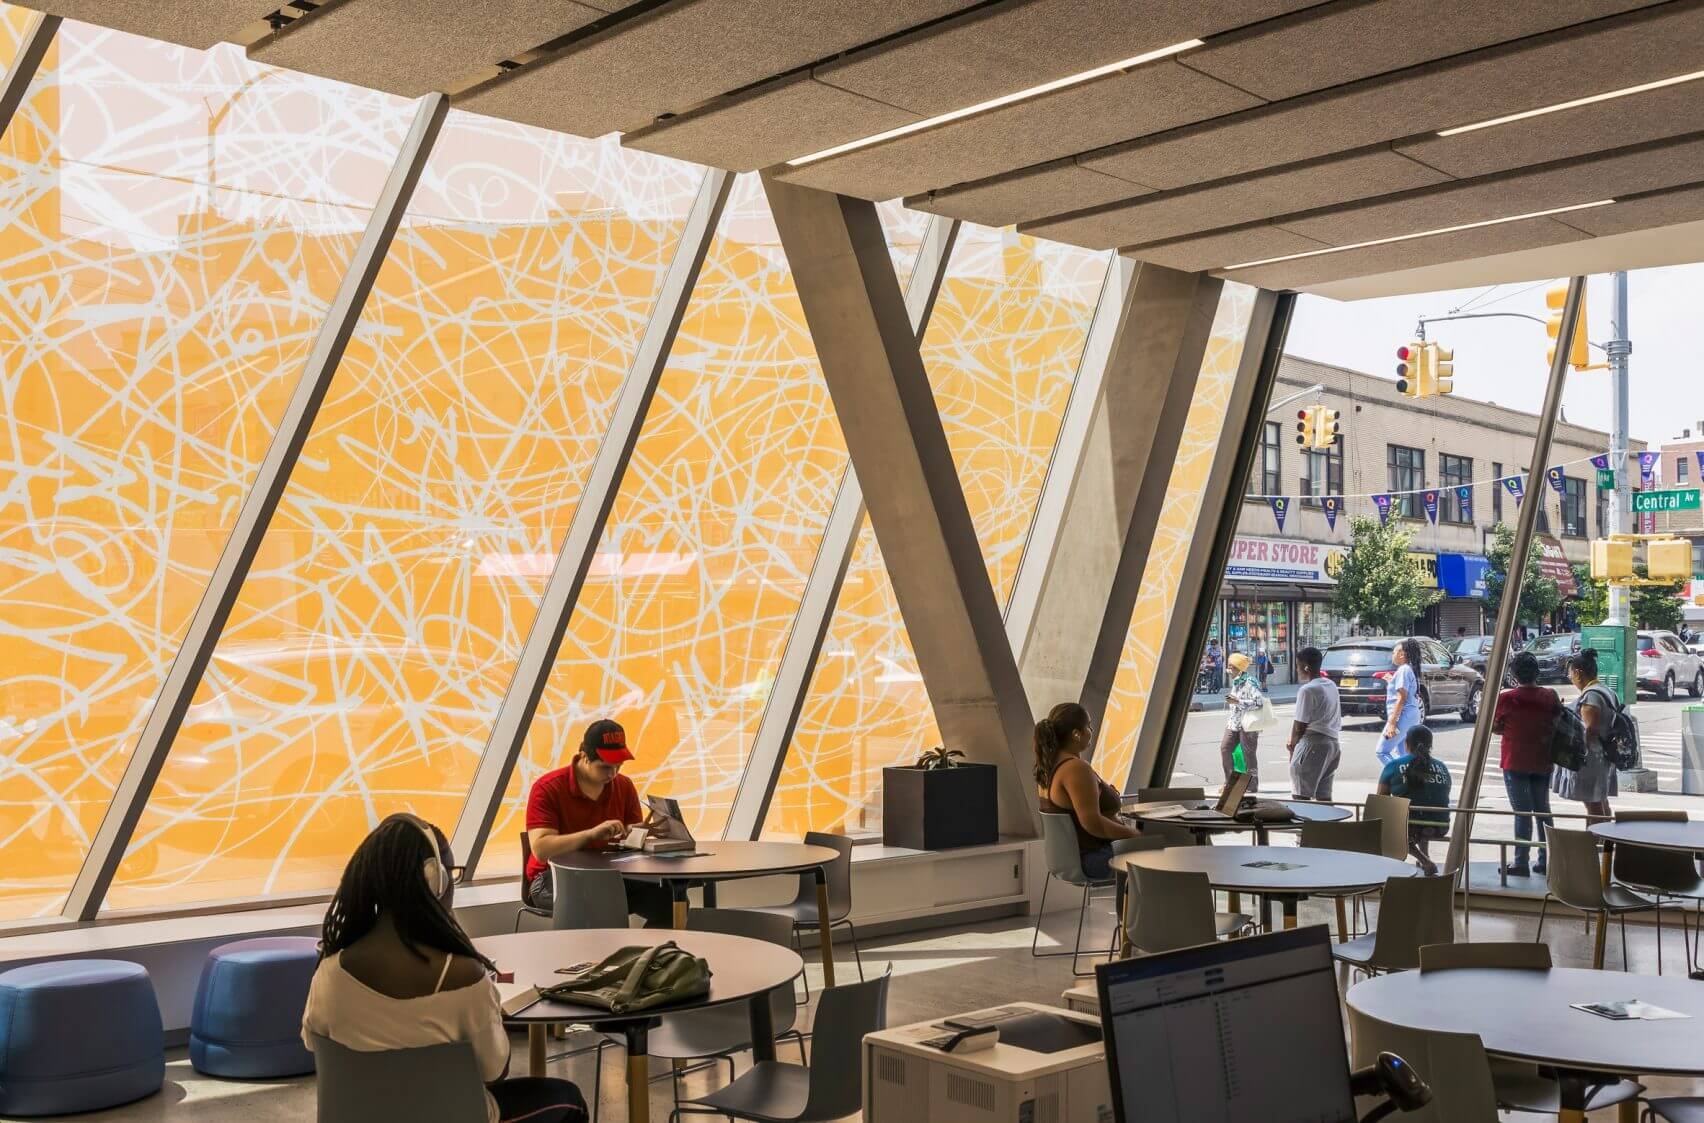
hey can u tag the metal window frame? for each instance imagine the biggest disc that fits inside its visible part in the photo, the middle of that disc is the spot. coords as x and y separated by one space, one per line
32 49
153 746
531 674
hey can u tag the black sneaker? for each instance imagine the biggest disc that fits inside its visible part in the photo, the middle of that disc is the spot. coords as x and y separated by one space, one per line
1517 871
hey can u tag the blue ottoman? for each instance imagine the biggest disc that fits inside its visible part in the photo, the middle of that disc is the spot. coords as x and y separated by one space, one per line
78 1036
247 1022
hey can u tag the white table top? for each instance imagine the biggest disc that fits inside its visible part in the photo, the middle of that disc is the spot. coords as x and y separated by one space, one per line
1316 870
1687 836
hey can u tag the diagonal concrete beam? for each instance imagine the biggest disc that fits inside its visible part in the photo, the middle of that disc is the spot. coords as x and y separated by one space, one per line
870 360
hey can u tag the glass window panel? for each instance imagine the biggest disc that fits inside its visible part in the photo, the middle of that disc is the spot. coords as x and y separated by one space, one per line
688 605
1128 702
371 645
1001 350
173 224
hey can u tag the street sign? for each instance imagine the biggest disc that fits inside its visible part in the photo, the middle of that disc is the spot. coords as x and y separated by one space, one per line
1684 499
1606 479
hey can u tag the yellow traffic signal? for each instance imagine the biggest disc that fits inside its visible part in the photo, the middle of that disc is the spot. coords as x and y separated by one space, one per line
1440 365
1409 359
1305 426
1578 357
1328 428
1611 559
1669 558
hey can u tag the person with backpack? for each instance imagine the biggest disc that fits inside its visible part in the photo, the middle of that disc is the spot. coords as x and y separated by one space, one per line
1424 781
1594 781
1526 717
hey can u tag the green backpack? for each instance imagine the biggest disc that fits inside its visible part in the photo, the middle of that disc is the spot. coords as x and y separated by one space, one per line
636 978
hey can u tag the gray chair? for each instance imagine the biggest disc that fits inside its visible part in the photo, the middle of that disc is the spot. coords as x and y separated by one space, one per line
1360 836
1171 909
1664 874
716 1034
1575 880
1675 1109
1170 795
430 1084
1391 813
587 898
830 1086
1520 1086
1065 862
801 911
1453 1064
527 907
1416 911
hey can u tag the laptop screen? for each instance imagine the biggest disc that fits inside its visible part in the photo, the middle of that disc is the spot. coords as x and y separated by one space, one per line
1245 1031
1230 800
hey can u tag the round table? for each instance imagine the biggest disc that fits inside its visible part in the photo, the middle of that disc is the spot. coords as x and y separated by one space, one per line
1526 1016
1659 834
720 861
741 970
1316 871
1304 811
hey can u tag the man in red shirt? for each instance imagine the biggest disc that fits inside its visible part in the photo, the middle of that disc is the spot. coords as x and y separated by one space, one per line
1525 716
589 805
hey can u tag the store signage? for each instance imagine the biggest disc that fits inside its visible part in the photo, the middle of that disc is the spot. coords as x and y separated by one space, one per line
1426 566
1463 575
1553 563
1683 499
1281 559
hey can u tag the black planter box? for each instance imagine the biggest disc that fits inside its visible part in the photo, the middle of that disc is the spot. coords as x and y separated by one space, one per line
941 808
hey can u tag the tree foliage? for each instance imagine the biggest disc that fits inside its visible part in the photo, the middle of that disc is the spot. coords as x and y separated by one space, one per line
1377 582
1540 595
1656 607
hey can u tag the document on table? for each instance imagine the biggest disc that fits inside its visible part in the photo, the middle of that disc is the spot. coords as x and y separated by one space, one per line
1278 867
1629 1010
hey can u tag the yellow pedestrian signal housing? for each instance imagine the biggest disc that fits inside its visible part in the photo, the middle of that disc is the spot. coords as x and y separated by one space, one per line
1440 366
1611 559
1410 359
1328 429
1578 357
1669 559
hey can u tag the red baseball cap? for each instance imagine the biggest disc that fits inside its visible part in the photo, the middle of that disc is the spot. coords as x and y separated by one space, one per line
606 741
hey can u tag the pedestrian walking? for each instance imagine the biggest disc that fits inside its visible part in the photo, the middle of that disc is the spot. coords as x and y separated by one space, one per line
1525 716
1262 662
1594 782
1402 700
1215 667
1424 781
1316 731
1244 701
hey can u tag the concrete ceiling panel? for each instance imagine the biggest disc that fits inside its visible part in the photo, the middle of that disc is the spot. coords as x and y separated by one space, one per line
1663 208
1157 96
1031 193
189 23
1319 183
1646 46
744 134
1344 42
1011 46
678 55
1212 251
387 45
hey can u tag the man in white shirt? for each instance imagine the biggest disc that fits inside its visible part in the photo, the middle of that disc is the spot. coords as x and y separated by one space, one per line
1313 745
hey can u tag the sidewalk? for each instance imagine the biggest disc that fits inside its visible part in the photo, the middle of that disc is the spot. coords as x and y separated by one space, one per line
1280 695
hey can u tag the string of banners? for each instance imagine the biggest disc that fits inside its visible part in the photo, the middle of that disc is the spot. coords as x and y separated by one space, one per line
1431 498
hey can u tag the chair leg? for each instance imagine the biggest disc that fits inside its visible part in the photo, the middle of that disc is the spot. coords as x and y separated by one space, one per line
804 976
852 934
1659 912
1626 966
1538 937
1077 948
1040 913
597 1079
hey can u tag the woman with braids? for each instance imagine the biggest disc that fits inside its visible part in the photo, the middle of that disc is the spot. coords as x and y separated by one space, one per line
1068 786
396 971
1402 699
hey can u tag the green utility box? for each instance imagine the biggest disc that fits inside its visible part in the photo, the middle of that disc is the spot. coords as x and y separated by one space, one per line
1618 653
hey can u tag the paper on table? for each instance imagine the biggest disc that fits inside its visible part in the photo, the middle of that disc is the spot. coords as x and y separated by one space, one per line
1629 1010
1269 864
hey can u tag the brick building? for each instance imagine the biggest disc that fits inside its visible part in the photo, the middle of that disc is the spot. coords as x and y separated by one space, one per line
1681 465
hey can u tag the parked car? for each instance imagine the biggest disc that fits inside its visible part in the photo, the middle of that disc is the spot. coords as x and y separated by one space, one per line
1553 653
1361 667
1474 651
1665 664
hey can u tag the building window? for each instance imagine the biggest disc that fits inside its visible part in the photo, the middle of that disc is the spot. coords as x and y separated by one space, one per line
1271 479
1698 559
1680 469
1322 473
1453 472
1407 479
1542 498
1573 506
1603 511
1496 493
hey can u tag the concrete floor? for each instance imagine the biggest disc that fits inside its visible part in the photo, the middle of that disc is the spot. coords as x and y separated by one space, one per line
935 973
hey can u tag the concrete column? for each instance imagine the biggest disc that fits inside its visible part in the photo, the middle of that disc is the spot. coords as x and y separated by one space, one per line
1116 485
870 361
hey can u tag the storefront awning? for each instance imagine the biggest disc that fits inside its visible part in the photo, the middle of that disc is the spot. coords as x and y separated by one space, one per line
1462 575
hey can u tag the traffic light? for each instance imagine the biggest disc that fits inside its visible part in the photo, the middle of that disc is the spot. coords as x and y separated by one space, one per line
1327 429
1305 427
1578 357
1669 558
1440 366
1611 559
1410 357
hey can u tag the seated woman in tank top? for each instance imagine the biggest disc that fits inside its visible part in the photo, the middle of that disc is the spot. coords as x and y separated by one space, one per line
396 971
1068 786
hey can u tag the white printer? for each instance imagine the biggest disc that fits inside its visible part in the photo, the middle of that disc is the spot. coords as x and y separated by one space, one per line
1049 1066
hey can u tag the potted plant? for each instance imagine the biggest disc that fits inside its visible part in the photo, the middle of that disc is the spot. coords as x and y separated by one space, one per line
940 802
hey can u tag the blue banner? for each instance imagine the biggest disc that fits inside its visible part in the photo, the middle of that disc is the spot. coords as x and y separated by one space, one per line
1556 476
1280 509
1464 496
1647 465
1429 500
1382 502
1601 462
1515 486
1333 504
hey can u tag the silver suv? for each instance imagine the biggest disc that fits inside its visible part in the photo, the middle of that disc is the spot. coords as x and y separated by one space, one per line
1666 665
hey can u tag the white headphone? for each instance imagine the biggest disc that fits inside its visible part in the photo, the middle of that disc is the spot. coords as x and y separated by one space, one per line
437 878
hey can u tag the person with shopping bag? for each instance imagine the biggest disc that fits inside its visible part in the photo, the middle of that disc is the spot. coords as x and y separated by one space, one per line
1249 711
1403 709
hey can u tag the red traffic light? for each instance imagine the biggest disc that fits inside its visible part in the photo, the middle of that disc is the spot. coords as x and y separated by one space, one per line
1404 353
1301 415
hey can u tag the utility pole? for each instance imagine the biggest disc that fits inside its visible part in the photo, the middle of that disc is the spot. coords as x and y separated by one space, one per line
1620 504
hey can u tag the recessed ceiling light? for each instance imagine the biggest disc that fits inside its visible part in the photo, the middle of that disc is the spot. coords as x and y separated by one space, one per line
1577 102
996 103
1419 234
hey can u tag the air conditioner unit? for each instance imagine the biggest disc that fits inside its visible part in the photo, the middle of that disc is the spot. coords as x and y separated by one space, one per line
906 1081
